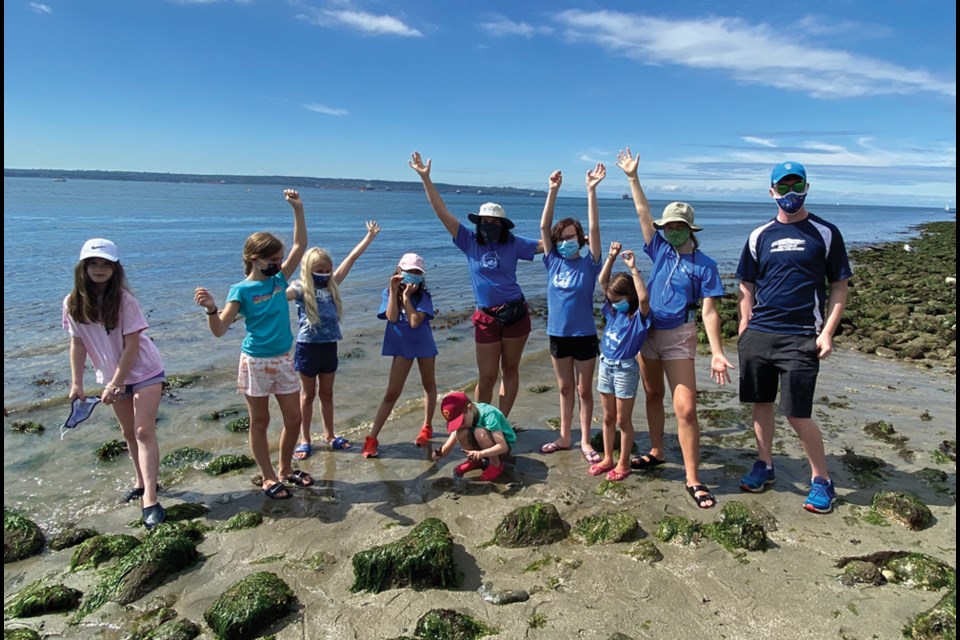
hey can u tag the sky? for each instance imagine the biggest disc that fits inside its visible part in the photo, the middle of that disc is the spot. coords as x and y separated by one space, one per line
710 95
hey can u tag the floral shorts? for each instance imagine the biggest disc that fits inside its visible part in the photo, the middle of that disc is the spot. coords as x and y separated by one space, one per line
262 377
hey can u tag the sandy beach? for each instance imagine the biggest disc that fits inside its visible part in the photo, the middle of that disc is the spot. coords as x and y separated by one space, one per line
576 591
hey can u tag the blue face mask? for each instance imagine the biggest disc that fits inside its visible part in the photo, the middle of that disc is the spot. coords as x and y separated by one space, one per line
490 232
621 306
791 203
411 278
568 248
320 279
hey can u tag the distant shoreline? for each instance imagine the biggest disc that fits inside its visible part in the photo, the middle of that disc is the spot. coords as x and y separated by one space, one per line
348 184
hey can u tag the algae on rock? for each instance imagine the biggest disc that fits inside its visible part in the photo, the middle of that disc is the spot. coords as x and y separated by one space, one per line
605 528
22 537
40 598
423 559
530 526
447 624
249 605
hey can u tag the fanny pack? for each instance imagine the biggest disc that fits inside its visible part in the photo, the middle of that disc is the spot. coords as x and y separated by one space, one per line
509 312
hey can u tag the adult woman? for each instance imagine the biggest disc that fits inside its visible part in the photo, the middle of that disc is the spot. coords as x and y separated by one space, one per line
682 275
501 321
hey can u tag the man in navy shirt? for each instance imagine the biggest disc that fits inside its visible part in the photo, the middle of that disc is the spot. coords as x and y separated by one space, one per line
787 322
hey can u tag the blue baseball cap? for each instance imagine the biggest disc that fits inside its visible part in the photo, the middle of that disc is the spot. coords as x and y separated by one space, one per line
785 169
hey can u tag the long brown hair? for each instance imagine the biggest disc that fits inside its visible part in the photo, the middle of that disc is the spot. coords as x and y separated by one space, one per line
86 306
621 284
259 245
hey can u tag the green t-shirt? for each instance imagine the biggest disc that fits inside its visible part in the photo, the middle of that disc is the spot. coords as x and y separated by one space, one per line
493 420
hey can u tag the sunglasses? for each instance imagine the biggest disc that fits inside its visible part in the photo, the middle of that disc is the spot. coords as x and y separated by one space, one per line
797 187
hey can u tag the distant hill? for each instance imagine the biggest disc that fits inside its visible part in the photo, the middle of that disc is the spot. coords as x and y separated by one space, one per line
287 181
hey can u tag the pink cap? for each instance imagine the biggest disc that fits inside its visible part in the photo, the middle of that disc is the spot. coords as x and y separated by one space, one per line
411 261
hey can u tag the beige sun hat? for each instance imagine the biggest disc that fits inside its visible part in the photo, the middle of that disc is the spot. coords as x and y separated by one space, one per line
677 212
491 210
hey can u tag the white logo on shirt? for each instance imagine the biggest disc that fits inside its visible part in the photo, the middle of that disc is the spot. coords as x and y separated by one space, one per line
490 260
563 280
788 244
614 337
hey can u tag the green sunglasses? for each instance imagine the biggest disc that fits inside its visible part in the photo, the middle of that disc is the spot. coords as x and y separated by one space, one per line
797 187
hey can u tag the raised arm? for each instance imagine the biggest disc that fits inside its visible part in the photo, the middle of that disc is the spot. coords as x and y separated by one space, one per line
629 164
546 220
372 230
745 302
836 303
630 259
292 261
604 277
594 178
719 365
433 196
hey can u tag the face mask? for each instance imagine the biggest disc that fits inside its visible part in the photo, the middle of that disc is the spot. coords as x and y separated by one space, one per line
677 237
490 232
791 203
569 248
411 278
622 306
320 279
273 268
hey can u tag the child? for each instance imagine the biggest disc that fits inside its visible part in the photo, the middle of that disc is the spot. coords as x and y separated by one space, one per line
482 431
623 336
105 322
317 297
571 279
408 308
266 366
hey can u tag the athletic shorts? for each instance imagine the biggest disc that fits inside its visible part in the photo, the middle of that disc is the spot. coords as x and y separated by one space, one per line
486 330
263 377
576 347
313 358
130 389
769 360
619 378
679 343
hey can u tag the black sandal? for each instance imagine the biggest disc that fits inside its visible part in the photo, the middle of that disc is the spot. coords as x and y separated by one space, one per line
646 461
702 499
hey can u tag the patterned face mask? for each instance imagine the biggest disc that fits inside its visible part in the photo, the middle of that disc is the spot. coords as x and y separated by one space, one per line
677 237
320 280
790 203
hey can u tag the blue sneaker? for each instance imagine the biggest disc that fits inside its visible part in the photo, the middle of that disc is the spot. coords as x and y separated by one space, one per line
758 478
821 496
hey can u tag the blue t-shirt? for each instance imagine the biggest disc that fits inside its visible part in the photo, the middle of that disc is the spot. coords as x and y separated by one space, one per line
493 267
399 338
677 281
328 329
263 304
624 334
570 285
790 264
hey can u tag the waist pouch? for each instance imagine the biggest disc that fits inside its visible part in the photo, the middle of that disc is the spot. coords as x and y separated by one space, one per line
509 312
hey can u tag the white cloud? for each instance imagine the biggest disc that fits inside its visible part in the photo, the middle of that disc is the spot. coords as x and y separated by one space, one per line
362 21
749 53
37 7
500 27
324 109
763 142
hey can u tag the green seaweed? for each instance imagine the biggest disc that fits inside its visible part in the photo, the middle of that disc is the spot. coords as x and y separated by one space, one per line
679 530
447 624
27 426
422 559
71 537
737 528
605 528
242 520
39 598
531 525
22 537
110 450
102 548
249 605
226 463
937 623
239 425
185 456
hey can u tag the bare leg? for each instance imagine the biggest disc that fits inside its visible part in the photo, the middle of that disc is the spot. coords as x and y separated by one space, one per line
609 403
146 402
566 382
325 391
812 439
123 410
290 411
488 367
308 391
512 351
763 426
259 410
652 373
428 378
399 369
624 407
584 372
682 377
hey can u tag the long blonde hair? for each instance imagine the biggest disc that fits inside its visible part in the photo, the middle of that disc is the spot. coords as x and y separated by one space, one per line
313 257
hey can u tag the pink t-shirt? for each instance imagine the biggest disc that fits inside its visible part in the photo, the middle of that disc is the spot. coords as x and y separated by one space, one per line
105 348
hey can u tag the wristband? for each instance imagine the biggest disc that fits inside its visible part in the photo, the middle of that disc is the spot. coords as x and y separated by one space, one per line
213 313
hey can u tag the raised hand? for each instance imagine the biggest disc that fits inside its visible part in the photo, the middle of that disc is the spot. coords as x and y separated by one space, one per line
203 298
372 228
629 259
595 176
556 179
395 281
615 248
627 162
293 197
416 163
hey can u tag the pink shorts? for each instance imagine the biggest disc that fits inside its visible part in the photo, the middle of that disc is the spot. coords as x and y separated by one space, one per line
679 343
262 377
486 329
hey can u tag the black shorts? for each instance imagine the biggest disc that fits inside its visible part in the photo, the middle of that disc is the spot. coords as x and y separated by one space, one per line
772 360
577 347
313 358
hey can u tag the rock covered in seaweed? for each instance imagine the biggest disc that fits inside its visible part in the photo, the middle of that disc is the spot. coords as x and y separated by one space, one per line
605 528
447 624
22 537
530 526
937 623
99 549
41 598
71 537
423 559
249 606
903 508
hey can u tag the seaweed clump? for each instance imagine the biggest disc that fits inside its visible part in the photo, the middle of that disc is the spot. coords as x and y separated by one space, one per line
22 537
99 549
530 526
447 624
903 508
249 605
423 559
226 463
39 598
605 528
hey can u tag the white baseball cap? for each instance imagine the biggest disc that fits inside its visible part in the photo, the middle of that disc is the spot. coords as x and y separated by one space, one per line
99 248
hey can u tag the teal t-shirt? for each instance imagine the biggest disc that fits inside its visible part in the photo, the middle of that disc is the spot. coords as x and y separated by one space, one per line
492 419
266 312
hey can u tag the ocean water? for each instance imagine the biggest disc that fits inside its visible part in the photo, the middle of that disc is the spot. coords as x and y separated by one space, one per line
175 237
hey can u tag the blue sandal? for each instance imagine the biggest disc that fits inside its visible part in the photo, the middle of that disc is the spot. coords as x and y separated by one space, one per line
304 449
340 443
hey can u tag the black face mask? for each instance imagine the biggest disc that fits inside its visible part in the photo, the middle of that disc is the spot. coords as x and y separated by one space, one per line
490 232
273 268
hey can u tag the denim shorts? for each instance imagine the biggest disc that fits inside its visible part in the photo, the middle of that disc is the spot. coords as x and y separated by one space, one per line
313 358
619 377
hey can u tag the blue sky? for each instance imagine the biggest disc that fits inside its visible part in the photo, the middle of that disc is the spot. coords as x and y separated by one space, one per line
711 95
